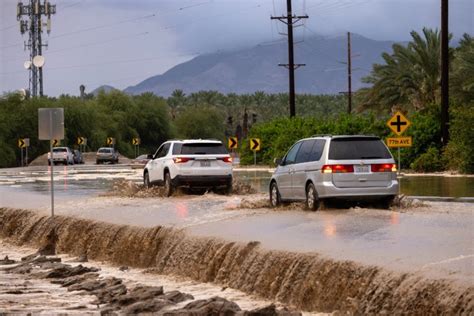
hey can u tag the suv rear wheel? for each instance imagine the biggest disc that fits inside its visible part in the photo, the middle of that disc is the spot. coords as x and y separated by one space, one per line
275 199
312 198
168 185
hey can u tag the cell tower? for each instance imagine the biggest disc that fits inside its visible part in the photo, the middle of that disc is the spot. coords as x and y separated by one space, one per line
35 27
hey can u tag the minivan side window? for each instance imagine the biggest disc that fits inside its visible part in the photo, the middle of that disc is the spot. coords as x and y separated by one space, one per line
305 151
317 150
291 155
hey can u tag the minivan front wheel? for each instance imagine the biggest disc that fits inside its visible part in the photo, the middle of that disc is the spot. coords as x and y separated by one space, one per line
312 199
275 199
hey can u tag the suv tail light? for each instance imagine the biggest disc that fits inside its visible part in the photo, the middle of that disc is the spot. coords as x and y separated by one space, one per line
337 169
227 159
182 159
383 167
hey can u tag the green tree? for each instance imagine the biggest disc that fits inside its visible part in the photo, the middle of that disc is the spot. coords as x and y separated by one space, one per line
409 79
201 122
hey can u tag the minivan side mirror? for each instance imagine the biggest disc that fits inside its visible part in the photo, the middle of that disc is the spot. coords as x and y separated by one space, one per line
149 156
277 161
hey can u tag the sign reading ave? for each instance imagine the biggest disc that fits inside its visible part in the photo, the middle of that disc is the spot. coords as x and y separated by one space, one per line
399 141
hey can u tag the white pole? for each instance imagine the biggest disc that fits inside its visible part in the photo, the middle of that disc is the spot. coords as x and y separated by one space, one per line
52 160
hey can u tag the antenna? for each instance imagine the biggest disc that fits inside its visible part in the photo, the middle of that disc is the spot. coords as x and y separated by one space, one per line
33 10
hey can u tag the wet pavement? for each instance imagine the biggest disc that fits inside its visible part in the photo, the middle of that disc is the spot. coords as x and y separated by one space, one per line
436 239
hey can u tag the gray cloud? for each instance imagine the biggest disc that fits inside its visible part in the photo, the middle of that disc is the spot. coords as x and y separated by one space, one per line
121 42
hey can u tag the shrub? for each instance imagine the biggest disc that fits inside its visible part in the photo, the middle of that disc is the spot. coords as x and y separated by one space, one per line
428 162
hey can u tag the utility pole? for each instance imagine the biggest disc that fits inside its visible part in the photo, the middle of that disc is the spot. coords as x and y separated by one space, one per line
349 74
34 26
444 73
290 20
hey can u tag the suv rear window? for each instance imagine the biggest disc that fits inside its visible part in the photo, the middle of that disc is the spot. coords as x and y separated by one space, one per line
199 149
358 148
105 150
59 150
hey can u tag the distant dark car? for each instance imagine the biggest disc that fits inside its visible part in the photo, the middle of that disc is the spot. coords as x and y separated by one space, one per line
140 161
107 154
78 156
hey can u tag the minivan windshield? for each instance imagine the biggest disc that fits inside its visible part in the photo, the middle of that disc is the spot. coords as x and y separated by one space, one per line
199 149
358 148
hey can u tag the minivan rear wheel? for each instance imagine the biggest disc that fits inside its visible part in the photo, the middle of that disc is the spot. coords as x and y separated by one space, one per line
275 199
312 198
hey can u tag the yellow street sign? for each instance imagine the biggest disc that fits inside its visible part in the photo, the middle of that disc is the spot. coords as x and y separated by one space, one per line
255 144
398 123
232 143
56 142
110 141
80 140
21 143
399 141
135 141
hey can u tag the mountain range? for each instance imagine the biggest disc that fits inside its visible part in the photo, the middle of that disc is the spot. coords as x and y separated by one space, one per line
256 68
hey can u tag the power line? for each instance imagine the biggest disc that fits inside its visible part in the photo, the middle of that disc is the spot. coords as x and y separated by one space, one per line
290 20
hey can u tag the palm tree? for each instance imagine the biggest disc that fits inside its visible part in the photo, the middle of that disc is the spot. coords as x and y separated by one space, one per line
462 80
409 79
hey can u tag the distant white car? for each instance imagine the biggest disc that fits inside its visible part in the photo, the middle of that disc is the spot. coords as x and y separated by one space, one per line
63 155
191 163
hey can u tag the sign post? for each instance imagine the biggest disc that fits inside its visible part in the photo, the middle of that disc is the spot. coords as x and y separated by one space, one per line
398 123
255 146
136 142
51 127
82 142
111 141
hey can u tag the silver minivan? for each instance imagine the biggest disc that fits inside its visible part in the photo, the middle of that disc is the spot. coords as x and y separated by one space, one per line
335 167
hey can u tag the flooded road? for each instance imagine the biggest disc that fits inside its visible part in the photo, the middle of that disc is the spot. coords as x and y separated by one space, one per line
430 240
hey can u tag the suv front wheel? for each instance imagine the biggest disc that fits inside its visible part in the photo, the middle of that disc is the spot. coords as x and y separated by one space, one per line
312 199
146 180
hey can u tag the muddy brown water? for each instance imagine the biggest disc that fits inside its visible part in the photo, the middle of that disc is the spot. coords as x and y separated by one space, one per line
306 281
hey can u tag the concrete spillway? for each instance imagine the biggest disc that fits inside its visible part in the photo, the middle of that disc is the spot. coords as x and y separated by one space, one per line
304 280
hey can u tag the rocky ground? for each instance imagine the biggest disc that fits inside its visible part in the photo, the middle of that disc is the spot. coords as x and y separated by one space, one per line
43 283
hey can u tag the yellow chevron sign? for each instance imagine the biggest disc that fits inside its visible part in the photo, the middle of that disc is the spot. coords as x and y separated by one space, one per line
232 143
255 144
135 141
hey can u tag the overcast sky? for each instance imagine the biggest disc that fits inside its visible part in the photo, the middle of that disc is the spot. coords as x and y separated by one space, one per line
122 42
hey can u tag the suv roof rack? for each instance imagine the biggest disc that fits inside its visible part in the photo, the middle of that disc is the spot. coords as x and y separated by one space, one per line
321 135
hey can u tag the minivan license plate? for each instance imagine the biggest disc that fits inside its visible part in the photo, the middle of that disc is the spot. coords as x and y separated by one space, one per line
205 163
361 169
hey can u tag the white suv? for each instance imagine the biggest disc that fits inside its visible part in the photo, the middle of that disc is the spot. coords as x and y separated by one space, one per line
63 155
335 167
191 163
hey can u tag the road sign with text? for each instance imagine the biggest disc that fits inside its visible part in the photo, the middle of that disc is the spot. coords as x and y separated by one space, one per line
232 143
255 144
395 142
398 123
